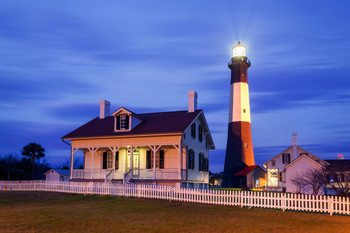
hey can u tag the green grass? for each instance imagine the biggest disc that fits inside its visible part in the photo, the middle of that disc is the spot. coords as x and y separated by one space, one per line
57 212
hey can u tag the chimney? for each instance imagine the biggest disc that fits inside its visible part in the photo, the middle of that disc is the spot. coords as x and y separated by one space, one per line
192 101
104 108
294 144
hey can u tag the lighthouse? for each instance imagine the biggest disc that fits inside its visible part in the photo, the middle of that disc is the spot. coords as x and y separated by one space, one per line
239 157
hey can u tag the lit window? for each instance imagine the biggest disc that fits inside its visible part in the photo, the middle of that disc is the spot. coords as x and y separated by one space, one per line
272 177
245 145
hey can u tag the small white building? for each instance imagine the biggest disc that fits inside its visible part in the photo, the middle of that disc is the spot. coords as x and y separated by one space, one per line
57 175
289 164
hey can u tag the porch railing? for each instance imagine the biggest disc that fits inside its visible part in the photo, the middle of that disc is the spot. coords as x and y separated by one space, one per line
136 174
109 176
127 176
86 174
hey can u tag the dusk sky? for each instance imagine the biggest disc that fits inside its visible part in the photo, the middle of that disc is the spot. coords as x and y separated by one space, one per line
59 58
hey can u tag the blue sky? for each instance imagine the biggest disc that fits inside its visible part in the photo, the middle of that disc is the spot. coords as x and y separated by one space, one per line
59 58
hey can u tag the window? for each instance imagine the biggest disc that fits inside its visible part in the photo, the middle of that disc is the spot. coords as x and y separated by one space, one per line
281 176
200 133
122 122
193 130
117 160
107 160
286 158
190 159
243 110
272 177
159 159
245 145
273 163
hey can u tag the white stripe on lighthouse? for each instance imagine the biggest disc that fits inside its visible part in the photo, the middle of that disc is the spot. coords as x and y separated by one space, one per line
239 102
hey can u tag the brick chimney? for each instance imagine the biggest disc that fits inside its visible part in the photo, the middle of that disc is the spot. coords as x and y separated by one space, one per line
104 108
192 101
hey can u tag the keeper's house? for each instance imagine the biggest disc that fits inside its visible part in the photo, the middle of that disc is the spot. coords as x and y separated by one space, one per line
155 148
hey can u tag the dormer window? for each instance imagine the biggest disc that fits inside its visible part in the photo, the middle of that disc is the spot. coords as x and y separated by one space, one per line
122 122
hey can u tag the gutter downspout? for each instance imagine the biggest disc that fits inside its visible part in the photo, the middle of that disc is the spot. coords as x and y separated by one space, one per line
66 142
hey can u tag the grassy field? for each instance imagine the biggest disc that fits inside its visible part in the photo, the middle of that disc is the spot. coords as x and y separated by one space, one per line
57 212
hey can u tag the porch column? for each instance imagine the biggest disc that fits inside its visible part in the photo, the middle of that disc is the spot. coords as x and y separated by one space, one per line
154 163
154 148
92 150
92 161
132 158
179 148
72 152
180 160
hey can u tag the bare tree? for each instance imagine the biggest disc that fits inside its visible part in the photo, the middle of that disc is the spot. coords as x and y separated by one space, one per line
312 179
339 182
299 183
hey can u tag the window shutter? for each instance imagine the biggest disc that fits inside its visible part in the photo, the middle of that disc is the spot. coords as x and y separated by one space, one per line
193 130
200 162
200 133
148 160
118 122
117 160
127 122
189 166
206 165
161 159
193 159
104 165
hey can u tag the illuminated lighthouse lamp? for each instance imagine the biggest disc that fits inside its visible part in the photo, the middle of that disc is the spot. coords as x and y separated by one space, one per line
239 50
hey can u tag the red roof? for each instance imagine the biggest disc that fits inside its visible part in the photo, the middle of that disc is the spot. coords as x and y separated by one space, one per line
153 123
246 170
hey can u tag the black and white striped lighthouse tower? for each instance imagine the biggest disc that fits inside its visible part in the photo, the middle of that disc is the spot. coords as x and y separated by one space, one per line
239 149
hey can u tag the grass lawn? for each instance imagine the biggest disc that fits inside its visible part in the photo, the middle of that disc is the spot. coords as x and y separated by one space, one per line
57 212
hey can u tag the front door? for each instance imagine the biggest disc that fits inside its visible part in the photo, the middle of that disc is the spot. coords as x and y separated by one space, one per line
136 162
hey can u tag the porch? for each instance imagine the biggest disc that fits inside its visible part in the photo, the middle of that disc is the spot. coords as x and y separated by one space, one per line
135 162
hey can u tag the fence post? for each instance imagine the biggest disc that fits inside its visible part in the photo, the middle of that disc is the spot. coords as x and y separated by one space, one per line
240 198
330 205
284 202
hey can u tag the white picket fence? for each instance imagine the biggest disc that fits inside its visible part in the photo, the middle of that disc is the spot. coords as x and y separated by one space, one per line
272 200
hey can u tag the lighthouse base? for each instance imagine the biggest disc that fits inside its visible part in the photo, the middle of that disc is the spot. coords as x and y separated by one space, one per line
239 151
